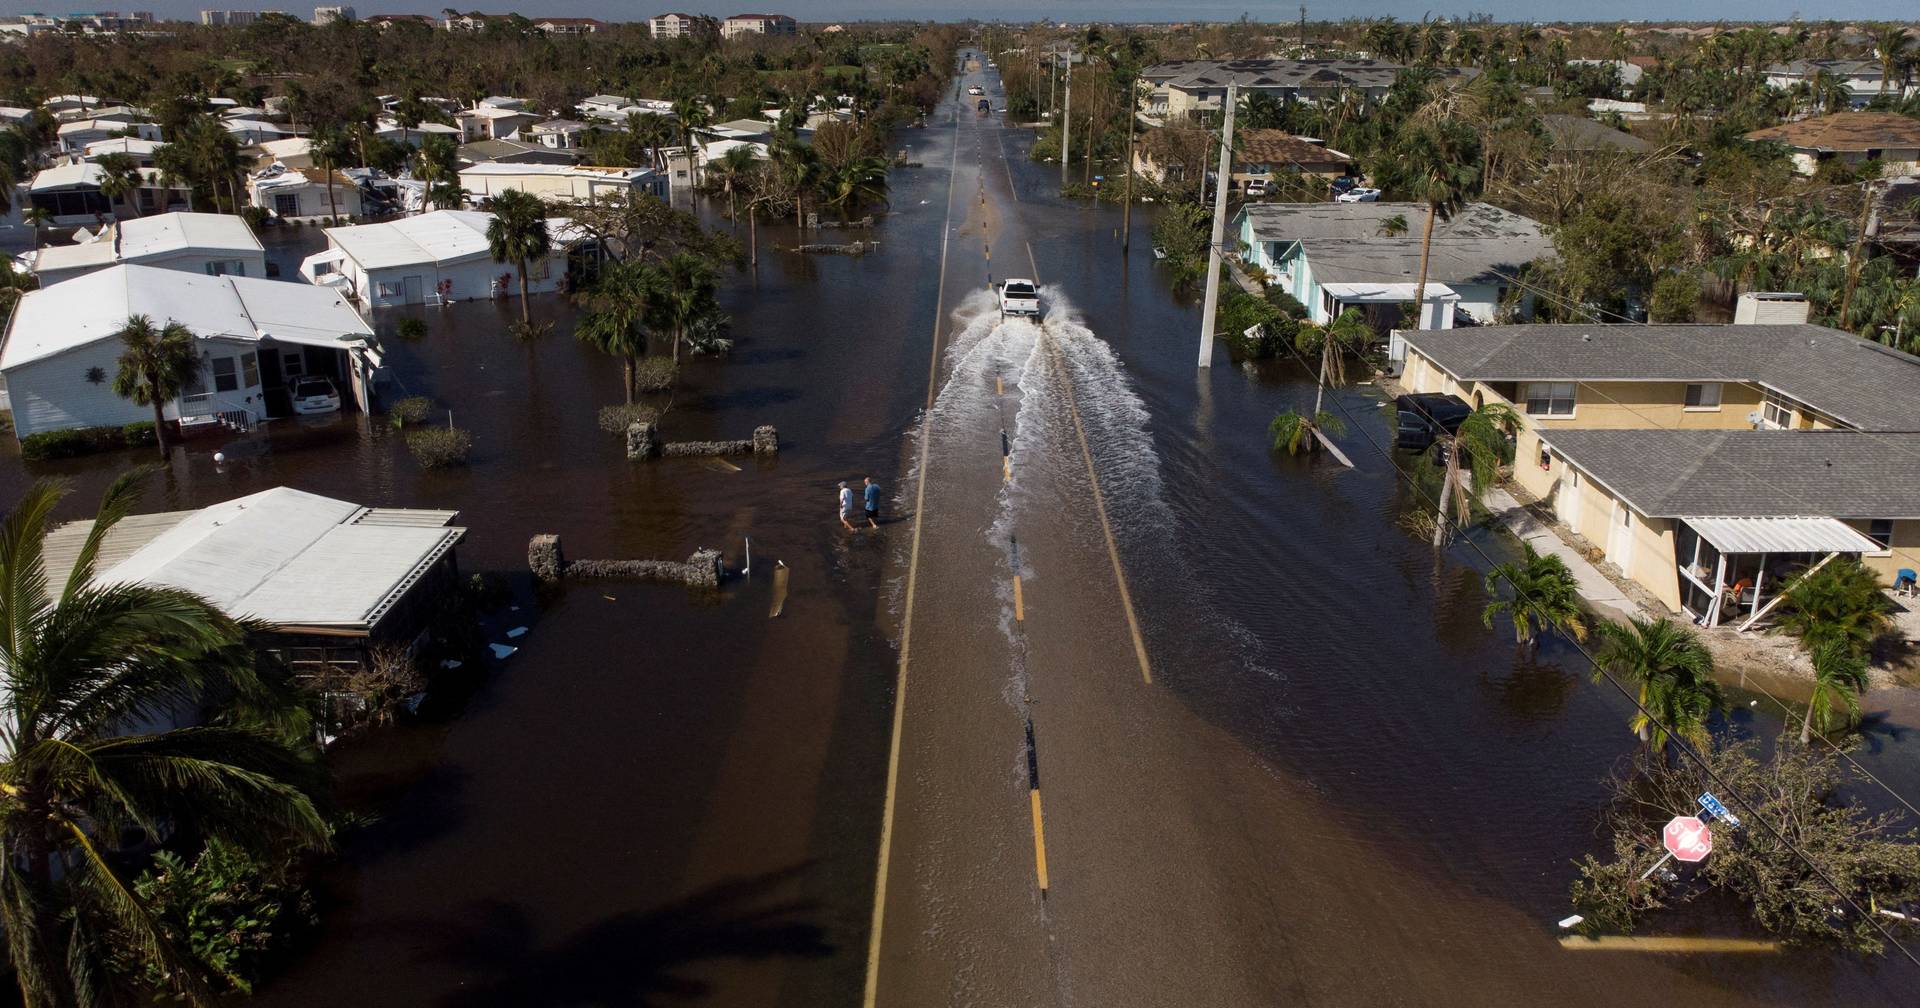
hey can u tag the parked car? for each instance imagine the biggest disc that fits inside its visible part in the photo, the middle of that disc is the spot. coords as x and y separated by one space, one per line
1359 195
1019 297
976 90
1421 418
1256 188
984 106
314 395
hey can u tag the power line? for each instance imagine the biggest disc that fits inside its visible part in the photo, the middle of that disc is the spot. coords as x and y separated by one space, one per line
1686 748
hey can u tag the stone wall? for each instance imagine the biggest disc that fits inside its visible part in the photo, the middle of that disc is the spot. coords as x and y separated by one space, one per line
549 565
643 442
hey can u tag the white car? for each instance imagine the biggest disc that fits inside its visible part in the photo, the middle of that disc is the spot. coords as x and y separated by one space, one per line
314 395
1256 188
1019 297
976 90
1358 196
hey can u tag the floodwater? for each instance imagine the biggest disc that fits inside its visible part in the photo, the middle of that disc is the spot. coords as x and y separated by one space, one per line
1337 788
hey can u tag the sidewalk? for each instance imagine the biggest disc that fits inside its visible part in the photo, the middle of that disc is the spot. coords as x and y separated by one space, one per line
1594 586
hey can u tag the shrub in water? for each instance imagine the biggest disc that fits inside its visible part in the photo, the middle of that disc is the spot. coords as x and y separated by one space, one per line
410 329
59 444
411 411
228 911
617 418
654 374
439 447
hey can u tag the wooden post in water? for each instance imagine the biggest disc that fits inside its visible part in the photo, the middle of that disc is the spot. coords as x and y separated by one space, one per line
1220 187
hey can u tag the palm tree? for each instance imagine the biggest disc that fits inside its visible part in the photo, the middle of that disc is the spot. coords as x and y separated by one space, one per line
1441 171
434 164
1294 432
692 114
1838 674
732 172
799 170
859 181
682 294
652 131
1890 45
119 177
330 147
614 308
518 234
1472 456
82 663
38 217
155 366
1545 597
1841 602
1674 672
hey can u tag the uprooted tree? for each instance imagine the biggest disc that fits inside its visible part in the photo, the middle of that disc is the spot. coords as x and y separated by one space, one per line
1872 857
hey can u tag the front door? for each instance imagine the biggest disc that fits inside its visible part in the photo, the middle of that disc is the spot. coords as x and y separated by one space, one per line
1620 537
412 290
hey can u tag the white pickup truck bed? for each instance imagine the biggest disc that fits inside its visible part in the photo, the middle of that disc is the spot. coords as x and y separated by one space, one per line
1019 297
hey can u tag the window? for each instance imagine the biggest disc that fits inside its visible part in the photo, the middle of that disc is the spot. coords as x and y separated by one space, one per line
387 289
286 204
1703 396
1880 530
227 267
1775 412
250 369
224 377
1549 399
291 365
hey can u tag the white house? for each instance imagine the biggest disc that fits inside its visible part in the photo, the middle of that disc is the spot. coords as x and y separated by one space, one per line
293 152
556 134
75 136
417 134
567 183
60 353
71 193
253 131
616 108
677 25
757 24
488 122
430 258
204 243
141 151
291 193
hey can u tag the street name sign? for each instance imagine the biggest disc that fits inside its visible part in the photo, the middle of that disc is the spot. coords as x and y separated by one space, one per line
1687 838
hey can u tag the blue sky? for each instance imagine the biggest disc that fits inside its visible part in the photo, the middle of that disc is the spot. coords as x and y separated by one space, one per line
1069 10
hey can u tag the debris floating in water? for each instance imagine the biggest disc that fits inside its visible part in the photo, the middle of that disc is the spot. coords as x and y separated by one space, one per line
609 598
451 663
502 650
516 632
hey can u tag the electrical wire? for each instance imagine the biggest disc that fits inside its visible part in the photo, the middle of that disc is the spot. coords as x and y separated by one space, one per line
1686 748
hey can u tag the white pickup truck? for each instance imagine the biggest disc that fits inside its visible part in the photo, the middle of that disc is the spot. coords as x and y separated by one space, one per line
1019 297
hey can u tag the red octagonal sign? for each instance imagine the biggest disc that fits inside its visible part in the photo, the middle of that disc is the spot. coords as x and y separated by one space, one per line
1687 838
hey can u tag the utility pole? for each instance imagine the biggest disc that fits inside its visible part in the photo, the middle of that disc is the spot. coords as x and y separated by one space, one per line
1303 31
1066 124
1220 187
1126 196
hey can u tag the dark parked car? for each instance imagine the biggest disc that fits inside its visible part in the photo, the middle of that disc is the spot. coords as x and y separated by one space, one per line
986 106
1420 418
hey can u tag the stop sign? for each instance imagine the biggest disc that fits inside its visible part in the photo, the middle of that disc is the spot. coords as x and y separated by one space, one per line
1687 838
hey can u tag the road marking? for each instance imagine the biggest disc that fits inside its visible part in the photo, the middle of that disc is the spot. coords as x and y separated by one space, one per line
1019 603
1039 841
872 992
1099 501
1659 943
998 388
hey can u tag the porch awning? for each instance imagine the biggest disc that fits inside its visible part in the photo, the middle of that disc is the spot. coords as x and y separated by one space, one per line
1390 293
1782 535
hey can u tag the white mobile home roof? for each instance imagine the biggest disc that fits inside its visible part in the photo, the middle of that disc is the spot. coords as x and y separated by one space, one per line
284 556
440 237
149 237
90 308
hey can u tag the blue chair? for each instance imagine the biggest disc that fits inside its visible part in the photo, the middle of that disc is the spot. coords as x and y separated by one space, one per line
1905 582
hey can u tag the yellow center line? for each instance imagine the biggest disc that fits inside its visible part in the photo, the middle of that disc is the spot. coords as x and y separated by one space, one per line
1019 603
1667 943
872 993
1039 840
1099 501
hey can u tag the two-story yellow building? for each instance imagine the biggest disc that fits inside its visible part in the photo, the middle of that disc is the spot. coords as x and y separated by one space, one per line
1708 461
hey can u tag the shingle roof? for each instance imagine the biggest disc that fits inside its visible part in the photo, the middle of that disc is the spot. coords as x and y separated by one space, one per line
1450 261
1846 131
1578 133
1687 473
1859 383
1279 222
1272 146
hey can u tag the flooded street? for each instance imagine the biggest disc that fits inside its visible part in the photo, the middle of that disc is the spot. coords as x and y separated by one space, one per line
1281 759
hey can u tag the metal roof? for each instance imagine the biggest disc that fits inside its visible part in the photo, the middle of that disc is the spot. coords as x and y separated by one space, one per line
441 237
284 556
92 308
1449 260
1285 222
150 237
1781 535
1860 383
